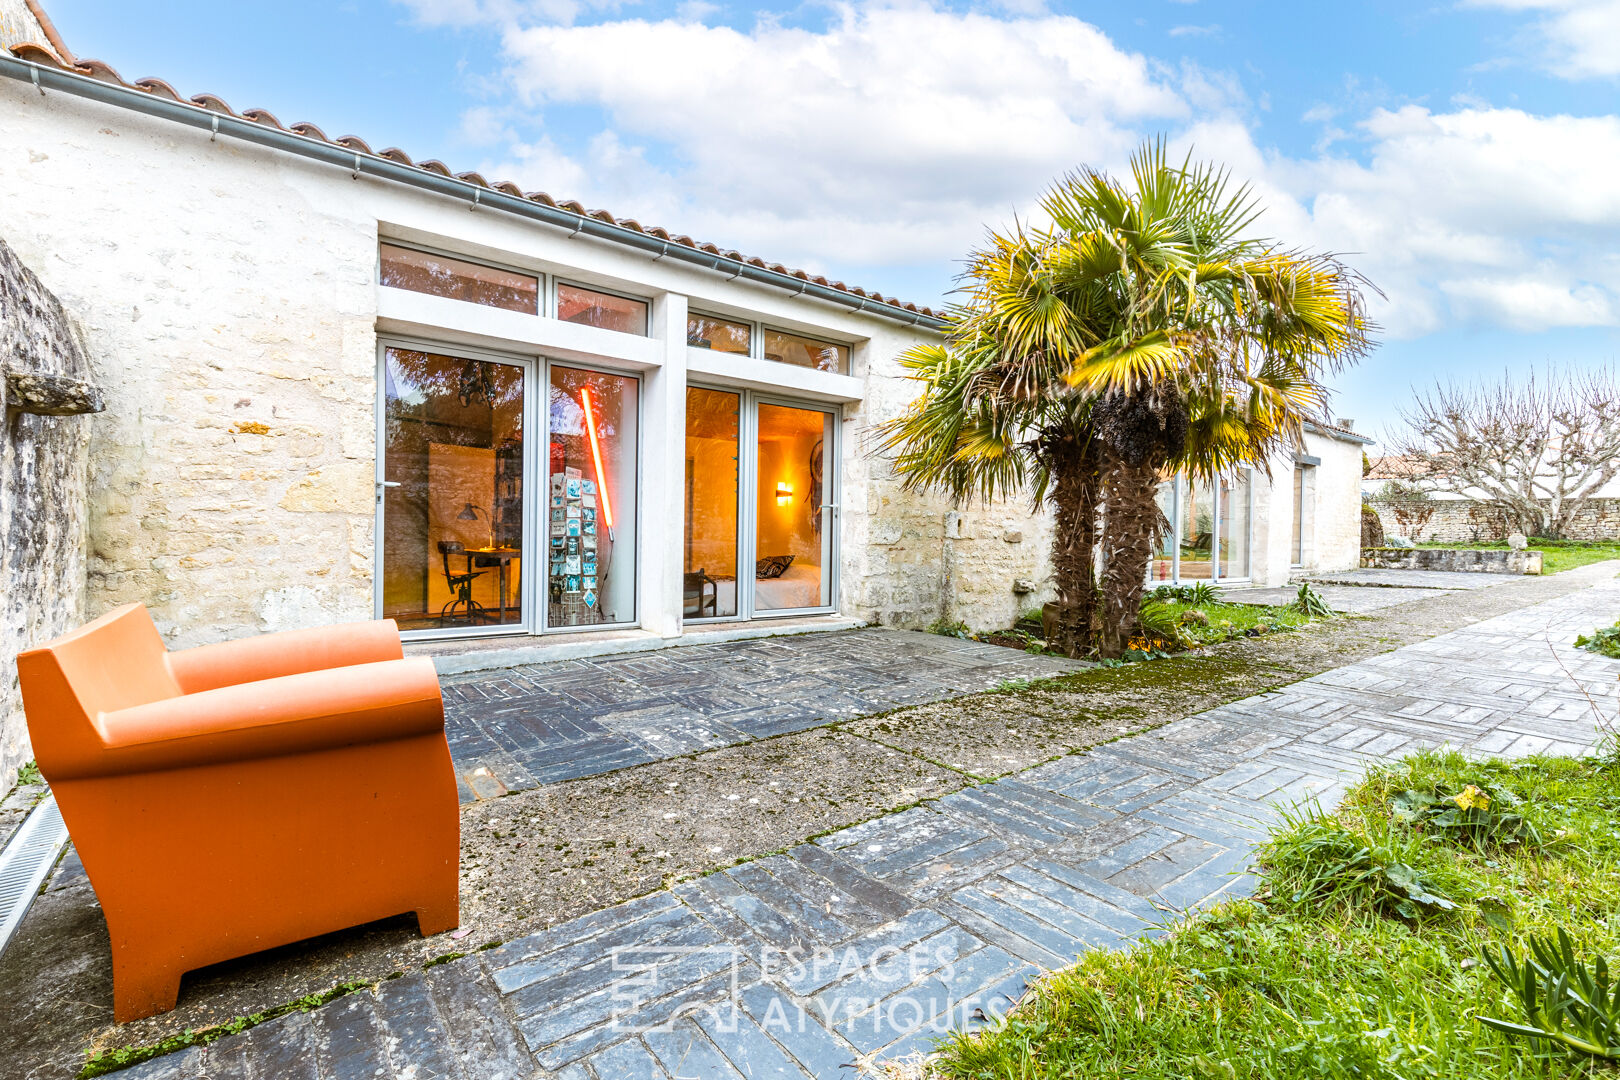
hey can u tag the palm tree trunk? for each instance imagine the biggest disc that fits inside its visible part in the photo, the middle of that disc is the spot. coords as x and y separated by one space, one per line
1130 529
1069 621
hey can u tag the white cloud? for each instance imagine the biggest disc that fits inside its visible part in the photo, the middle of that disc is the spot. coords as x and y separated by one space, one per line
1195 31
893 134
1578 38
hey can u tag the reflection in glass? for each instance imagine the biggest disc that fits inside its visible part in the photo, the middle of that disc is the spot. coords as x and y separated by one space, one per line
712 426
1196 525
453 521
792 539
1234 527
1163 565
786 348
591 499
590 308
721 335
458 279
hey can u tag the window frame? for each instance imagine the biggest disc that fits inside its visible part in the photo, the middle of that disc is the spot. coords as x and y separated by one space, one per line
557 282
543 280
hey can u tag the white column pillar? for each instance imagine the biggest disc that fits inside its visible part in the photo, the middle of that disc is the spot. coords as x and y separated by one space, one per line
663 472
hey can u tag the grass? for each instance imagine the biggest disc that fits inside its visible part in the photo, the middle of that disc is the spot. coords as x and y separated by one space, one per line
1333 969
1211 623
1556 555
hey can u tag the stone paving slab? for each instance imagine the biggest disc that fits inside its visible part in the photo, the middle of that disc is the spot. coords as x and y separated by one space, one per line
542 724
881 937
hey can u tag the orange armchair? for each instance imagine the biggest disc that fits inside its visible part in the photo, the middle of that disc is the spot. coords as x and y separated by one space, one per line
236 797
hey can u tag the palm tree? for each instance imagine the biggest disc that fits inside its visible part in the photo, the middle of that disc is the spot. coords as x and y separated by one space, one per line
988 425
1189 344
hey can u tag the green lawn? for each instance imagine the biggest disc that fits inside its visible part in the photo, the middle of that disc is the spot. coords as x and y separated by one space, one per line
1319 975
1555 556
1227 620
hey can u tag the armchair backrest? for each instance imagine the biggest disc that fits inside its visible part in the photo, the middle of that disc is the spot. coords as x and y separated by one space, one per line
111 663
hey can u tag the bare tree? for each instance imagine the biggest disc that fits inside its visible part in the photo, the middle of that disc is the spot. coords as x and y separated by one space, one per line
1535 450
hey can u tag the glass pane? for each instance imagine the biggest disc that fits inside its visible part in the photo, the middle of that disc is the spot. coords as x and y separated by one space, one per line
1234 531
710 583
1196 526
1163 565
457 279
792 567
591 499
721 335
786 348
453 527
577 305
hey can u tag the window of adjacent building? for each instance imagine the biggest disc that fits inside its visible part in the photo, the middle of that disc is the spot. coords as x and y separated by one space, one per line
606 310
1301 515
721 335
458 279
786 348
1208 538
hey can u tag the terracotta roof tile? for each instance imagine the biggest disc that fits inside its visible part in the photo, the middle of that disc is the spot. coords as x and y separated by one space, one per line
36 53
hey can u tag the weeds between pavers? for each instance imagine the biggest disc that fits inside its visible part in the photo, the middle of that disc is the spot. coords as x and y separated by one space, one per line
1380 944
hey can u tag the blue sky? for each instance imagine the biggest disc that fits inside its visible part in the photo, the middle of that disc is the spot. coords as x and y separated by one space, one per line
1463 154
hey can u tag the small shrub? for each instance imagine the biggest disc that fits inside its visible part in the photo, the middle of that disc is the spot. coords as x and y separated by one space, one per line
1482 815
1159 620
1309 602
1604 642
949 628
29 774
1564 1000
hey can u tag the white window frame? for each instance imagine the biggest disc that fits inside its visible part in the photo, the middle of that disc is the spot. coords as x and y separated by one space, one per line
543 288
747 509
1178 496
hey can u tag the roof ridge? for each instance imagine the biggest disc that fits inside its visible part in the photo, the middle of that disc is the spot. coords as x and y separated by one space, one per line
51 55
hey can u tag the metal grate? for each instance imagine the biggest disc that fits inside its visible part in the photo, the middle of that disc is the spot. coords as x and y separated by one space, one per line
26 862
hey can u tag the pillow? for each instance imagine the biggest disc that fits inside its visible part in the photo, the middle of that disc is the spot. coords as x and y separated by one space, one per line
772 566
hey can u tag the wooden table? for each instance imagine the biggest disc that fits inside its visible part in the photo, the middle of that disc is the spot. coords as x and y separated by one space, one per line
493 556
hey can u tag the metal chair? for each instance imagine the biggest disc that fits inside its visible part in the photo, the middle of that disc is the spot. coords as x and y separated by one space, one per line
461 585
699 590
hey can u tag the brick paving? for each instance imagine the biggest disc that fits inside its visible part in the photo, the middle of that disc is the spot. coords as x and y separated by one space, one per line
544 723
878 938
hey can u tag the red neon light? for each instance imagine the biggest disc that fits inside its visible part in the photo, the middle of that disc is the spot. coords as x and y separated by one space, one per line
596 454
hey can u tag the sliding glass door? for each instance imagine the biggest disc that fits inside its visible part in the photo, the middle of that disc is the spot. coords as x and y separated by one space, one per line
1210 530
760 533
451 493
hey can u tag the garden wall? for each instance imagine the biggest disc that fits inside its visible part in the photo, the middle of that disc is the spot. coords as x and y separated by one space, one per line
44 467
1461 521
1466 560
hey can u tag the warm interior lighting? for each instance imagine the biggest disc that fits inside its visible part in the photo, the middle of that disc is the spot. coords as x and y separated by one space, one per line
596 454
784 492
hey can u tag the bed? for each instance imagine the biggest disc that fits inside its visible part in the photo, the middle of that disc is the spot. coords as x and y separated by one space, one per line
798 587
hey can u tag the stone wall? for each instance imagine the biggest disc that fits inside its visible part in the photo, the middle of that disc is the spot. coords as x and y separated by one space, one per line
1462 521
43 472
1464 560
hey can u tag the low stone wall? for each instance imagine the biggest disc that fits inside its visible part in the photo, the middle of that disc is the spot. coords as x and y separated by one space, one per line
1463 521
44 474
1463 559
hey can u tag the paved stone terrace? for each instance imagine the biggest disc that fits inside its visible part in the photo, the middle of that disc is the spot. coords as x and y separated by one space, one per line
910 924
540 724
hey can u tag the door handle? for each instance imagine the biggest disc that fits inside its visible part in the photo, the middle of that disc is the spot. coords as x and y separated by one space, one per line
388 483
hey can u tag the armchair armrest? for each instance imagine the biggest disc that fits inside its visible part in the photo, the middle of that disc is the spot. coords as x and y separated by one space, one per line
290 714
291 652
